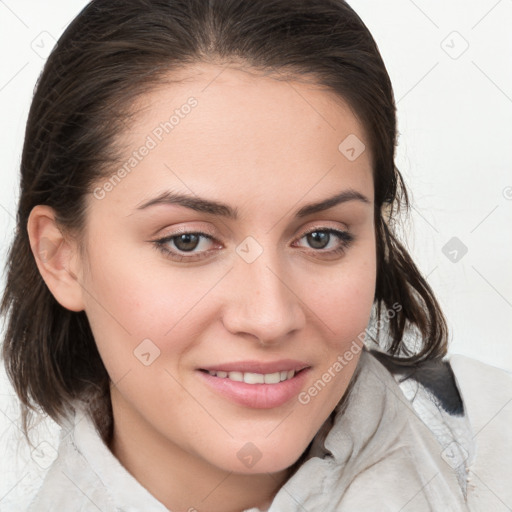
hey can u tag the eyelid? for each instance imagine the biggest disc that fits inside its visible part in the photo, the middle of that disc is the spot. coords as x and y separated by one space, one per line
324 226
180 230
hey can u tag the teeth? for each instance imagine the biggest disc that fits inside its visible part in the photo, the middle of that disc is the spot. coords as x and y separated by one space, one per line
272 378
255 378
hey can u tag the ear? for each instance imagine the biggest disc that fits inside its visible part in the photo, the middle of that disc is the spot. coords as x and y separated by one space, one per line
57 258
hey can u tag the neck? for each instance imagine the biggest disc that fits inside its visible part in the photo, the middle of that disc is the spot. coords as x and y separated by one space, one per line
180 480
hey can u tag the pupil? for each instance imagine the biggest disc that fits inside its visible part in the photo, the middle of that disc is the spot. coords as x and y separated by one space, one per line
318 239
187 242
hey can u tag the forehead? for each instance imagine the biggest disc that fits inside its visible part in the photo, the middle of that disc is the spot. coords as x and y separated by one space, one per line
235 93
212 128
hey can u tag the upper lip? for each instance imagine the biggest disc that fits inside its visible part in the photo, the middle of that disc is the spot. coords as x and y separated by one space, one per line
257 366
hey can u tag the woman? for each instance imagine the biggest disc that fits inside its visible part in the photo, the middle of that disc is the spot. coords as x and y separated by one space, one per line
206 290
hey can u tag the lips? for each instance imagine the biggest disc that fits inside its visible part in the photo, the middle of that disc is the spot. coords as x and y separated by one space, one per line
256 384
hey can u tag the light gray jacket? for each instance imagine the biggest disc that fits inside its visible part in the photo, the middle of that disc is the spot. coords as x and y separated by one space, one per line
393 445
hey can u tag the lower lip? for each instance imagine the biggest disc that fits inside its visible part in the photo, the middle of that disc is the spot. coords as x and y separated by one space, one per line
257 396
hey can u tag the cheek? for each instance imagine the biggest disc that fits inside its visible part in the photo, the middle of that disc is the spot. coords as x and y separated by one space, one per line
130 299
343 298
343 304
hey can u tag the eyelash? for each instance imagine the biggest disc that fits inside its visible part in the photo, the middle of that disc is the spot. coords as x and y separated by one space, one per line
345 238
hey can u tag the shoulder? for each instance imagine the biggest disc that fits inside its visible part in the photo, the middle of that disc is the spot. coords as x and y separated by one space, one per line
87 477
467 404
459 385
479 378
71 484
487 395
454 381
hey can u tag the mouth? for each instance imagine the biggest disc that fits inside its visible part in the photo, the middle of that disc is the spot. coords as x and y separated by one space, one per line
257 385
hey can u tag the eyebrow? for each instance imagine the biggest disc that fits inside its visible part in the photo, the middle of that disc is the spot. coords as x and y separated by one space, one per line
223 210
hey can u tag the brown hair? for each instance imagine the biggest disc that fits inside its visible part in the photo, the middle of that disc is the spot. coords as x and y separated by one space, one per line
114 51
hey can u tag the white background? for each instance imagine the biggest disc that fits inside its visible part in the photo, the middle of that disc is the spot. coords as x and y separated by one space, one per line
455 119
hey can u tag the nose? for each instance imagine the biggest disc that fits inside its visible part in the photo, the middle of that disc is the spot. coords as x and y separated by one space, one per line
262 302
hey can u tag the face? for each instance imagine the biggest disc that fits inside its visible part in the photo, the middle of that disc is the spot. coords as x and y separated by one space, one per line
231 266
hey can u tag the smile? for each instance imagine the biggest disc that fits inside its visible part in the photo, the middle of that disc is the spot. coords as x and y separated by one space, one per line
257 385
255 378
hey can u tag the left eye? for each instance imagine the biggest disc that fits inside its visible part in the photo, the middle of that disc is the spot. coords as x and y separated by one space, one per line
327 239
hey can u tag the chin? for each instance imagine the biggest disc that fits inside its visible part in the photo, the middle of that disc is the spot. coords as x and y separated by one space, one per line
259 456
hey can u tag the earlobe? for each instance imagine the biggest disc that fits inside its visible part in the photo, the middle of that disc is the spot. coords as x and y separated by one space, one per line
56 258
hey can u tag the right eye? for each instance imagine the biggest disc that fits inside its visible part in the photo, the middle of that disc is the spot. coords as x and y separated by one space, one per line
195 244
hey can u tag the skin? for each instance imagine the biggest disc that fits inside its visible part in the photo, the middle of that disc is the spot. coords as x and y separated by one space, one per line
266 148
